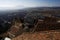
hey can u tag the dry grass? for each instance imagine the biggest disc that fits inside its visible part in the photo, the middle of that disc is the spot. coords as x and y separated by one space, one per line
42 35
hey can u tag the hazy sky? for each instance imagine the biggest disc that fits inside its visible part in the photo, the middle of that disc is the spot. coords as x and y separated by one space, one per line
16 4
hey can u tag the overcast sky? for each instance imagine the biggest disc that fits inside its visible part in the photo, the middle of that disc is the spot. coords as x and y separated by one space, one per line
16 4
